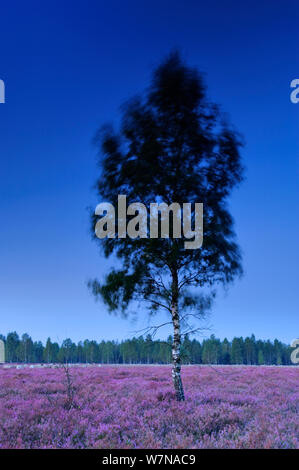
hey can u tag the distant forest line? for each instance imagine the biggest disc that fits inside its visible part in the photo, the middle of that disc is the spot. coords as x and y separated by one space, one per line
147 351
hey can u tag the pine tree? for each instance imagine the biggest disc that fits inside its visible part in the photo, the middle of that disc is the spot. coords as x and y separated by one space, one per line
261 359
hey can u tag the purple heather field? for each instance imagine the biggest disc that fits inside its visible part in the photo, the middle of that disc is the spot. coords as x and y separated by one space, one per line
134 407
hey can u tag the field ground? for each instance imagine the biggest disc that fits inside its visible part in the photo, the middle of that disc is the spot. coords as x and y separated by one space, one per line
134 407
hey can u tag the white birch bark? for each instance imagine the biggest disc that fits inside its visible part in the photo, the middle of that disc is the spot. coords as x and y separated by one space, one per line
176 345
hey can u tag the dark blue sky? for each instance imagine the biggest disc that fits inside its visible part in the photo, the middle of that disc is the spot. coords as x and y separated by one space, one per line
67 67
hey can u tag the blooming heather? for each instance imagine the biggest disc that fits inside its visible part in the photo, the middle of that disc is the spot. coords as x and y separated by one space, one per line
135 407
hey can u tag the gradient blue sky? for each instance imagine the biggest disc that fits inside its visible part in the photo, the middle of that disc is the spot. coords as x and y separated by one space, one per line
67 67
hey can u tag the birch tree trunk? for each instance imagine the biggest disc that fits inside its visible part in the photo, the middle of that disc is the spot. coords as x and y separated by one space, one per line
176 345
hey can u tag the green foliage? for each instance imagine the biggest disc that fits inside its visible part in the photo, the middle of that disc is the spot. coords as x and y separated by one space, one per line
261 359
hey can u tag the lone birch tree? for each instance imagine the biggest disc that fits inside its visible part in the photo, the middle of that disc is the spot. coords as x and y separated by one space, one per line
173 145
